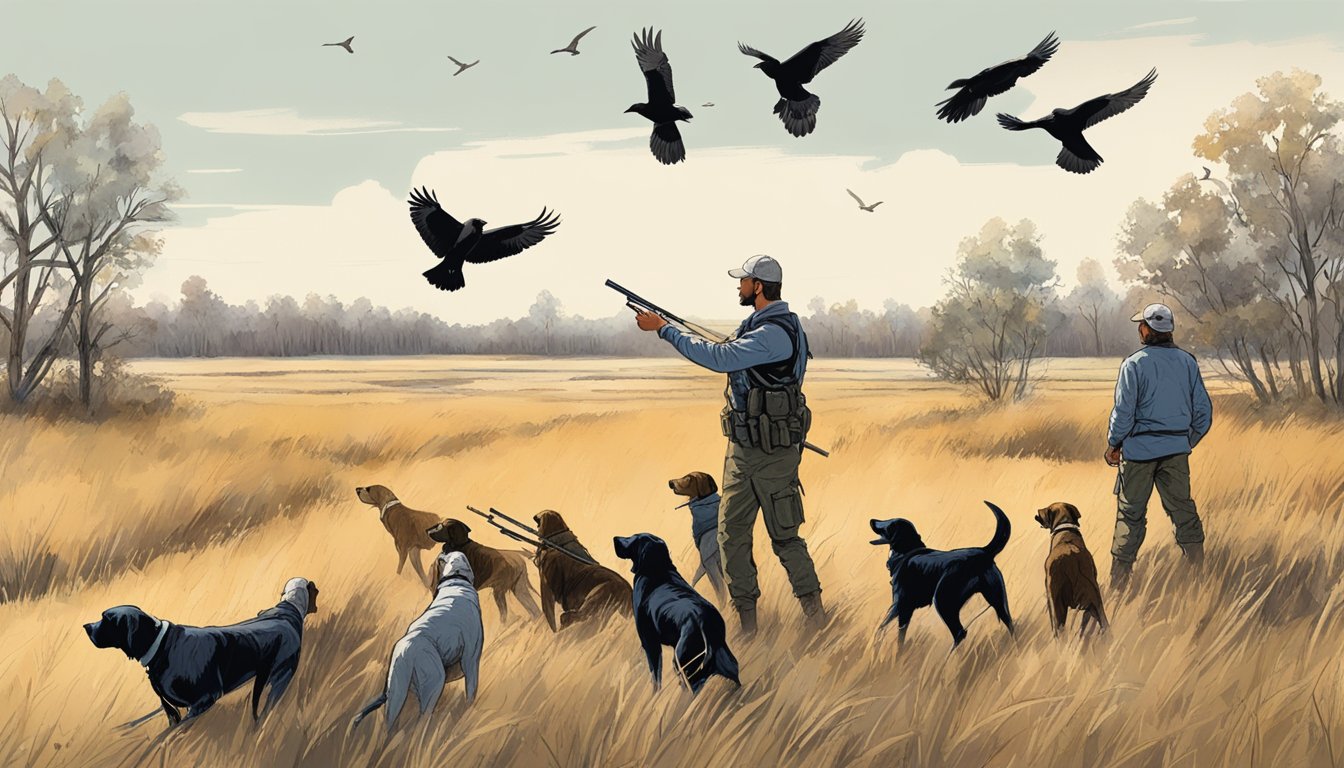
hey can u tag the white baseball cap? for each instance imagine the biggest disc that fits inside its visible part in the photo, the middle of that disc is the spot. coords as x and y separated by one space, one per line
1158 317
762 268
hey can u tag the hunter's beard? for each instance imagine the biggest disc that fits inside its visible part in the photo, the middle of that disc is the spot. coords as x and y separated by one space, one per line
746 299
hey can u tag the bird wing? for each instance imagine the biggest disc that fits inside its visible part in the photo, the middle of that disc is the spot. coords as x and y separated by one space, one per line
575 42
1001 77
455 61
500 242
856 197
748 50
806 63
436 226
1112 104
653 63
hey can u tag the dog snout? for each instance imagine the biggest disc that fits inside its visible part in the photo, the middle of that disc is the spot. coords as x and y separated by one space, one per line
89 628
672 484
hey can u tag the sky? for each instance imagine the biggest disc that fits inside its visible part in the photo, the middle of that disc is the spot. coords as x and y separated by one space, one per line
297 158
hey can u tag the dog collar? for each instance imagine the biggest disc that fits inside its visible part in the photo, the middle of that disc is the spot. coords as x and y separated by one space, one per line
382 511
153 649
1065 527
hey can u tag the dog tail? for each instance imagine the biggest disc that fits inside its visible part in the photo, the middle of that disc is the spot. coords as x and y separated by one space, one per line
1002 529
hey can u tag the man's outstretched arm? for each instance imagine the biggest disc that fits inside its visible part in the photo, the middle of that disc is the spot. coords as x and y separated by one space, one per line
767 344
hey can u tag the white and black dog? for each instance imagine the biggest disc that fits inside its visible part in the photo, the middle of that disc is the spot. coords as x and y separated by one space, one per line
442 644
193 667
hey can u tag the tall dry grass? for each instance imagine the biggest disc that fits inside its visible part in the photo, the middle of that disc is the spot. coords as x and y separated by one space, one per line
200 517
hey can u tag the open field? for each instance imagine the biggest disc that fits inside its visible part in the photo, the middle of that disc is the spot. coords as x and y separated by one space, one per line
200 517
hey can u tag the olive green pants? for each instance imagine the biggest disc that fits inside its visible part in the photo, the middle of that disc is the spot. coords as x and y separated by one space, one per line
752 480
1171 476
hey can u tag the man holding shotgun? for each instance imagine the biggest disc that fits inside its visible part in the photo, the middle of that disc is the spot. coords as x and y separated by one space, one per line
766 422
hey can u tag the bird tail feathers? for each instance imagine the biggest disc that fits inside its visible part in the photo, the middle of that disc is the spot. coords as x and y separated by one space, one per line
799 117
1012 123
445 278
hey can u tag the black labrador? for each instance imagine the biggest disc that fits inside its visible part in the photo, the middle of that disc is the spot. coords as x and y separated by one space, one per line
193 667
669 612
945 579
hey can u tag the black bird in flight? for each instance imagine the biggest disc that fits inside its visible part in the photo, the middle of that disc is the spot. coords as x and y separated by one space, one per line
1067 125
573 48
993 81
462 67
456 242
661 108
797 108
343 44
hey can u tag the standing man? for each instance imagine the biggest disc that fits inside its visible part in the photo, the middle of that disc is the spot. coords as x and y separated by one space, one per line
766 421
1161 413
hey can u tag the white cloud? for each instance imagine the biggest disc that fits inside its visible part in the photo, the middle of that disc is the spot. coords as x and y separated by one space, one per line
287 122
214 170
670 233
1164 23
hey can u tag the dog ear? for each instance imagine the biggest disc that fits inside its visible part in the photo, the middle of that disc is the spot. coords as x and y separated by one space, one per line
707 485
1073 511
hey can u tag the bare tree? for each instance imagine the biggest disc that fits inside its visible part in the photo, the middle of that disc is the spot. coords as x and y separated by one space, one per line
992 324
33 122
1284 171
1093 300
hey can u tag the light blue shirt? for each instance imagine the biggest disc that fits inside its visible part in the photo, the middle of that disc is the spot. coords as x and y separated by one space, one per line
1161 406
767 343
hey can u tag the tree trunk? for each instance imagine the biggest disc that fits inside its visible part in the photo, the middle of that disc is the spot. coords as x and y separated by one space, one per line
1269 375
86 341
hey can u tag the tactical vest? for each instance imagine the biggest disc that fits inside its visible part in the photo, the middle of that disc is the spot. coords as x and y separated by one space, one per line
776 414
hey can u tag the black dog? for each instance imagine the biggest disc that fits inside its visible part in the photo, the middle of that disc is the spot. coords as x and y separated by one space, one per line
193 667
669 612
921 576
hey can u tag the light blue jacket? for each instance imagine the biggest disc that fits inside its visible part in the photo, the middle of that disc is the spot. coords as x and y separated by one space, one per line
767 343
1161 406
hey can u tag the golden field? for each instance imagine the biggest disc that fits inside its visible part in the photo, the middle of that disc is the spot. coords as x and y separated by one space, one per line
201 515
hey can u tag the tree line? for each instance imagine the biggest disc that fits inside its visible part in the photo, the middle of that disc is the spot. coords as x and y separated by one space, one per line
1251 259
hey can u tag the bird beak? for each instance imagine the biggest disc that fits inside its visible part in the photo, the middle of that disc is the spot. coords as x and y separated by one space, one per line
631 109
758 66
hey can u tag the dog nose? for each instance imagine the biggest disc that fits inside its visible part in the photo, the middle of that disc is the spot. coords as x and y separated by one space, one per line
672 484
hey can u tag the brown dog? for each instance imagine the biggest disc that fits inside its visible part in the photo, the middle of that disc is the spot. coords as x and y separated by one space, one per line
583 591
500 571
1070 573
407 526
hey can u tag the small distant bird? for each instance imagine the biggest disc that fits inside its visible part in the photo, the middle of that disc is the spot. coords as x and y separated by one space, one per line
344 44
573 48
707 104
1207 173
462 67
456 242
868 208
661 108
1067 125
993 81
797 108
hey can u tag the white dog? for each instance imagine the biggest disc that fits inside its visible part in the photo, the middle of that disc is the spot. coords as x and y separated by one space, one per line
442 645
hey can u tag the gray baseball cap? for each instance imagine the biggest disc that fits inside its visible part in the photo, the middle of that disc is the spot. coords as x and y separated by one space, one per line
1158 317
762 268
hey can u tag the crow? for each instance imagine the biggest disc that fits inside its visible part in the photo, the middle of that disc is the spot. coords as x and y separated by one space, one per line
573 48
993 81
462 67
456 242
661 109
868 208
1067 125
343 44
797 108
